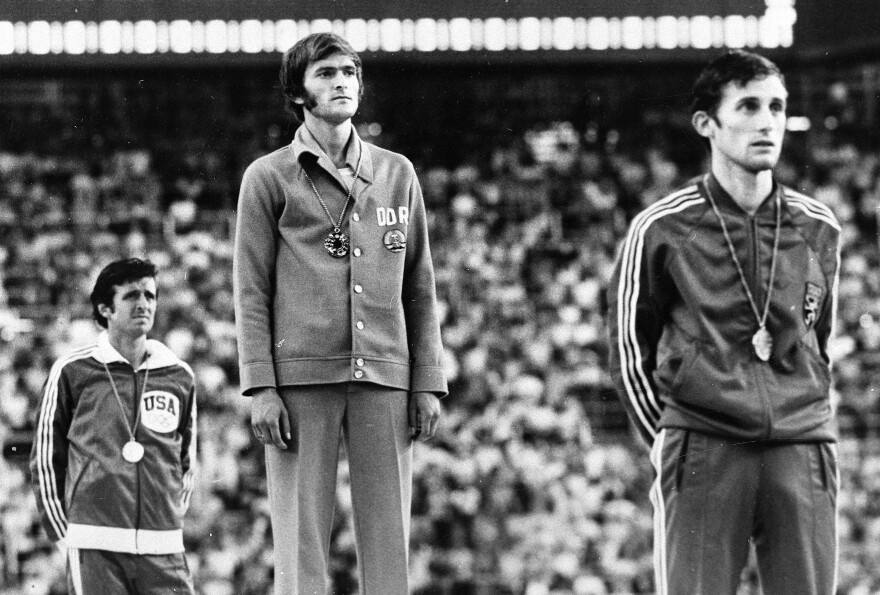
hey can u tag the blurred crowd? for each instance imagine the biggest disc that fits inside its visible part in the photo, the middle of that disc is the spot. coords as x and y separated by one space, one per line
535 484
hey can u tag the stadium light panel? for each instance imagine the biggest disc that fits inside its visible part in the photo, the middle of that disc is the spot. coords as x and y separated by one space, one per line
7 38
181 36
580 33
74 37
216 40
426 35
597 33
109 37
268 36
477 33
233 36
251 36
460 35
146 37
374 35
701 32
512 34
408 35
285 34
39 37
338 28
615 35
495 35
355 33
529 34
198 37
649 32
734 31
768 32
322 26
563 34
632 33
798 124
684 32
667 32
56 37
390 35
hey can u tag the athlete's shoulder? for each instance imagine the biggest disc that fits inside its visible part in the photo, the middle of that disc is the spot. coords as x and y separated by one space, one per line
161 356
806 209
386 157
675 206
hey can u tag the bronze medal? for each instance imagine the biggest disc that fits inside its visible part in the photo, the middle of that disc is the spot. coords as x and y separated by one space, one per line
133 451
762 341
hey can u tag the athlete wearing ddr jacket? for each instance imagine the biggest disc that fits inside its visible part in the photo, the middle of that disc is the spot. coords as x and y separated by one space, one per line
681 326
87 494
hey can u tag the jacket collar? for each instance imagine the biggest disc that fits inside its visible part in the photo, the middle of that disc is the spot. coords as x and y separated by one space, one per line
159 355
304 143
727 203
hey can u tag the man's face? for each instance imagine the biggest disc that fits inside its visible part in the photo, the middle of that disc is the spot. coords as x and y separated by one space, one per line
749 125
133 309
332 89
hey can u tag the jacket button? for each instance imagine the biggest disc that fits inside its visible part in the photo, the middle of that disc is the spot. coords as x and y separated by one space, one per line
360 325
359 374
356 217
359 361
357 251
358 289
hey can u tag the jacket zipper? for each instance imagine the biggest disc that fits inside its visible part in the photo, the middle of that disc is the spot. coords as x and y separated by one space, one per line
137 480
760 298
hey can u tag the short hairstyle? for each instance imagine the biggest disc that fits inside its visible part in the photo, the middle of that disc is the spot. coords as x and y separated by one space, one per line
734 66
118 272
304 52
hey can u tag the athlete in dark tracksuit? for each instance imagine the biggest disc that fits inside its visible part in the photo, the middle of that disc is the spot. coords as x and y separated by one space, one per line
737 412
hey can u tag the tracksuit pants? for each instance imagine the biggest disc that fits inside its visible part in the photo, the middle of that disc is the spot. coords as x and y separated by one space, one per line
714 495
102 572
302 486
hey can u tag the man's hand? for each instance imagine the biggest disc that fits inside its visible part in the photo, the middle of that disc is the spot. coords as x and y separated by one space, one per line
269 418
424 415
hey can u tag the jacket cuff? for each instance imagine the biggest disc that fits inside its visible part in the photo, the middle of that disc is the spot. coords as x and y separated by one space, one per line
428 379
257 375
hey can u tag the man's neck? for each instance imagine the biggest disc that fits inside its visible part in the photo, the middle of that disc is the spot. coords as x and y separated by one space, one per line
132 349
748 189
332 138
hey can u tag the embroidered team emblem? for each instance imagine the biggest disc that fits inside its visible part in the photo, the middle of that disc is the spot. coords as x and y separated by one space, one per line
160 411
812 301
394 240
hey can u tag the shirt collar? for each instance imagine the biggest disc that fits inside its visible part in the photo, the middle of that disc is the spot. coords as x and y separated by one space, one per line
160 355
304 143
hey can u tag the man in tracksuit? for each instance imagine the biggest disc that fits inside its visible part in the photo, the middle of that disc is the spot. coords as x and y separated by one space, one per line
721 306
114 448
337 326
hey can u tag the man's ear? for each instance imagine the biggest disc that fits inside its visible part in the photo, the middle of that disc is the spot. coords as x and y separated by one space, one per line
105 310
704 124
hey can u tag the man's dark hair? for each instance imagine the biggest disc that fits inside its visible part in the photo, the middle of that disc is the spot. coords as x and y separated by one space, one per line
736 66
118 272
297 59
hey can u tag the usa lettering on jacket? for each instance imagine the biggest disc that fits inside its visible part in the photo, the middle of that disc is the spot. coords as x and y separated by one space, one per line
160 411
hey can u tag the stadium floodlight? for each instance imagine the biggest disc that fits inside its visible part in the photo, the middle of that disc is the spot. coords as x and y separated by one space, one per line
529 34
735 31
390 35
146 37
39 37
563 33
285 35
56 37
110 37
426 35
356 34
251 36
216 37
495 35
598 33
460 35
632 33
701 32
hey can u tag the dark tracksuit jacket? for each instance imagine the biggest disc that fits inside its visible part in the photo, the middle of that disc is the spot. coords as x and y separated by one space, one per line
87 494
680 324
304 317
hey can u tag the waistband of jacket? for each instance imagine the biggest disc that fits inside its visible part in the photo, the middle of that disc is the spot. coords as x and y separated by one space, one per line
302 371
121 539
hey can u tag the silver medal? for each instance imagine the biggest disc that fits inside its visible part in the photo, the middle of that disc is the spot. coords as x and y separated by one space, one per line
763 344
133 451
336 244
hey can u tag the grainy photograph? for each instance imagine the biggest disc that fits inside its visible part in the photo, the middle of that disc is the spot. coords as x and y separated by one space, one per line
439 298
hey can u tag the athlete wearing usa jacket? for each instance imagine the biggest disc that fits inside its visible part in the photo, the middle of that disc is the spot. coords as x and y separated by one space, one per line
86 493
681 328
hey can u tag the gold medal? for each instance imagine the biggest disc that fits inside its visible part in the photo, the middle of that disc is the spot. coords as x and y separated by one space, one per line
762 341
133 451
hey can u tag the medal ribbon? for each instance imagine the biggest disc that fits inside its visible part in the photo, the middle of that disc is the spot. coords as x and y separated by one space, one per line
137 417
761 318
